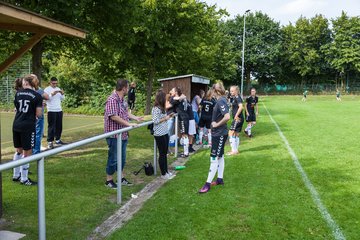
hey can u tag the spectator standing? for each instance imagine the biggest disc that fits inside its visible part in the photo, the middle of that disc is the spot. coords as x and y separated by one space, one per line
161 132
131 96
117 117
55 113
40 120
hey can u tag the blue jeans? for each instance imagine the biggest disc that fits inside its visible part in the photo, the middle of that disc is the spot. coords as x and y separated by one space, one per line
171 123
196 117
111 166
39 130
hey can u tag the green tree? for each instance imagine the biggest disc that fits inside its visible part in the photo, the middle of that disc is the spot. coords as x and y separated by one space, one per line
303 47
262 46
343 52
173 37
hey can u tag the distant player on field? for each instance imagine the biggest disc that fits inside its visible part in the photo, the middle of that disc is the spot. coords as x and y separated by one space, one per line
338 95
252 111
304 95
238 120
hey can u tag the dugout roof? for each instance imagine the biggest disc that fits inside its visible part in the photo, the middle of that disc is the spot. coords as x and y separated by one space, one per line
20 20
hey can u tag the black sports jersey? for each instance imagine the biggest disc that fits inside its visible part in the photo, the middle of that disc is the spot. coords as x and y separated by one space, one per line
131 94
26 101
190 111
251 102
236 100
220 109
181 107
207 107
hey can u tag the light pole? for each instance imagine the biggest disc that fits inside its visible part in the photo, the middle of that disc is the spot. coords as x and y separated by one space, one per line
243 55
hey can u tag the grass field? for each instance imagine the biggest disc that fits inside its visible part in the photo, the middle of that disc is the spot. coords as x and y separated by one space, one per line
264 196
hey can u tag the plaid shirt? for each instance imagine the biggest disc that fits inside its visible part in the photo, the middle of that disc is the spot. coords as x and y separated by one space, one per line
115 106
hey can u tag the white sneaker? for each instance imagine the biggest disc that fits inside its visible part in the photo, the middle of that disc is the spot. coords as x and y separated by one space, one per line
167 176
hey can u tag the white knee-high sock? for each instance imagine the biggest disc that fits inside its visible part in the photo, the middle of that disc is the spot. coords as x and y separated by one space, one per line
213 167
209 138
249 130
237 143
186 145
233 143
24 171
221 167
16 170
201 134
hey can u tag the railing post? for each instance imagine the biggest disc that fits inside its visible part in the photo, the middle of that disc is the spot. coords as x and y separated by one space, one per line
155 156
119 171
176 134
41 199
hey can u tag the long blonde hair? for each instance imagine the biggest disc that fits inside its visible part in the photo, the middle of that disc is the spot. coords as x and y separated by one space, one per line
218 89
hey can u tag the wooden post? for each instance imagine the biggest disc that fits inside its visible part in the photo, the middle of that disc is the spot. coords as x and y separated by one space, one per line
27 46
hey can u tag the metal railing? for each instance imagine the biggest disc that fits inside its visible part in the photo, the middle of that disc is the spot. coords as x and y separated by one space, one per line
40 158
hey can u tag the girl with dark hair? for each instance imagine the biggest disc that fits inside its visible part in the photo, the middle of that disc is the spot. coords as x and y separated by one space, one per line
161 132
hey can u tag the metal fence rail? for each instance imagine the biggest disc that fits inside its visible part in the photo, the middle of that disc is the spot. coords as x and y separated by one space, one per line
40 158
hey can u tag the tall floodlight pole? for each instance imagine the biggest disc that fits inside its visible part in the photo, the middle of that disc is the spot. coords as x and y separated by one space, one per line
243 55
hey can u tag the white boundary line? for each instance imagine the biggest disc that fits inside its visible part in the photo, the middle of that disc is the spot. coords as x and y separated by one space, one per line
338 235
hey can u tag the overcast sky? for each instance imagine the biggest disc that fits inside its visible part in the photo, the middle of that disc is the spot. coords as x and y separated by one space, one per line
286 11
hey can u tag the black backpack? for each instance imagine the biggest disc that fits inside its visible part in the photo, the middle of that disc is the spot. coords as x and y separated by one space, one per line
148 168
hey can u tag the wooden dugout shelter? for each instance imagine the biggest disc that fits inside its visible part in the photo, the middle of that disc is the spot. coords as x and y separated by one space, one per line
17 19
190 84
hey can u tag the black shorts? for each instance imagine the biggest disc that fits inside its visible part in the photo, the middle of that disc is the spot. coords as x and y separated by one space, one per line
184 126
217 146
131 104
205 123
251 117
24 140
237 125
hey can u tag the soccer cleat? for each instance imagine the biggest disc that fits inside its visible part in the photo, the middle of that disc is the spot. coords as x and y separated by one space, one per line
218 181
250 136
111 184
191 150
50 145
59 143
231 153
16 179
167 176
28 182
205 188
125 182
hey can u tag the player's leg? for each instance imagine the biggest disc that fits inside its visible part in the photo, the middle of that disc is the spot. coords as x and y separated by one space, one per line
27 139
208 127
17 155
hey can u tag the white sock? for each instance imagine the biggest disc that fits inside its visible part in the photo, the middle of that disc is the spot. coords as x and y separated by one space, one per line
201 134
249 131
209 138
213 167
24 172
233 143
16 170
237 143
221 167
186 146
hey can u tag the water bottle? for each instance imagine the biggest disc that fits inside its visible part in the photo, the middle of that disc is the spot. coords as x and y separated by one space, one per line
179 167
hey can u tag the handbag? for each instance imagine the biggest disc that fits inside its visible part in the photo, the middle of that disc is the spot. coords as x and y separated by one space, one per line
148 168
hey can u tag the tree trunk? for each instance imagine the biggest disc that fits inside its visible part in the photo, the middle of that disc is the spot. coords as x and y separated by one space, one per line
1 204
37 52
149 85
